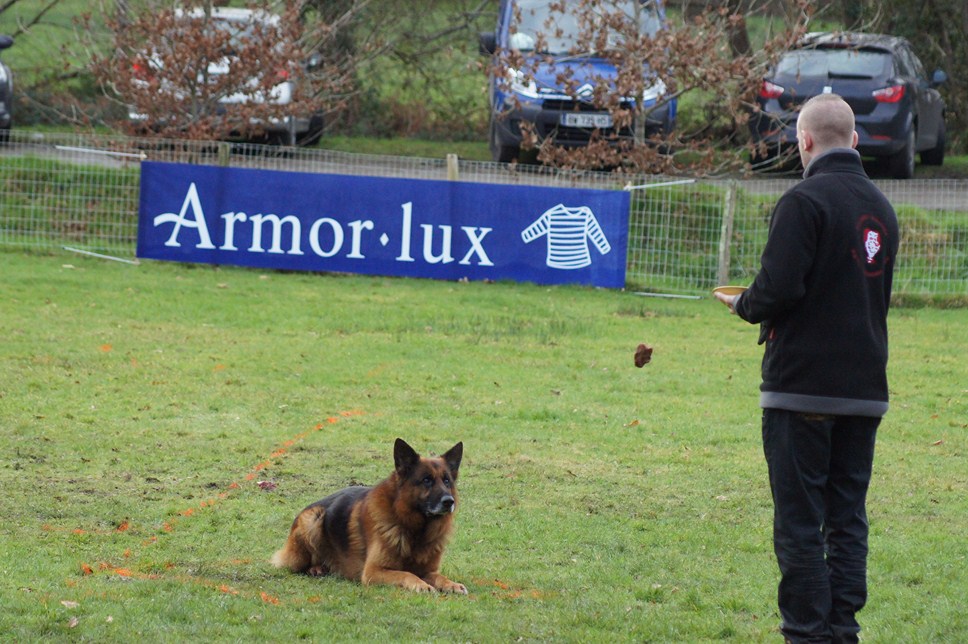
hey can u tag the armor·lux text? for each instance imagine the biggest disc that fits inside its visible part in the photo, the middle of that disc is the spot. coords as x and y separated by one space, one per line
325 236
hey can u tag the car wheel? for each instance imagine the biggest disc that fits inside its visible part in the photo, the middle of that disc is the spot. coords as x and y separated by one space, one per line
311 137
935 156
901 163
501 153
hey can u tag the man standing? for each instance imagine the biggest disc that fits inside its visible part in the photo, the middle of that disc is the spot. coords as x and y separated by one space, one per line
821 297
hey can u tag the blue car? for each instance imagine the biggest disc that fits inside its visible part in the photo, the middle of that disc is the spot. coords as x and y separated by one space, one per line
539 76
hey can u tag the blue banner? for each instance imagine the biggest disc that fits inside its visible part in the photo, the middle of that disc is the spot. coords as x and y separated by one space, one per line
447 230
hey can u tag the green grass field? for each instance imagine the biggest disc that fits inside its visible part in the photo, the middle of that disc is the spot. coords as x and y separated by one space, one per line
142 405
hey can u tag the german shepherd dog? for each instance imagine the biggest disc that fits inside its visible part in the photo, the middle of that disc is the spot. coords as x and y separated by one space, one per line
393 533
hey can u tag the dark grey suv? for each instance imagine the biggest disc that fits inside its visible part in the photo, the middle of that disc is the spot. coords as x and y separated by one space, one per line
898 109
6 92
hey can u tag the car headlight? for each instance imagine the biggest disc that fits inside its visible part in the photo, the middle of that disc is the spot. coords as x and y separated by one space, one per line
652 94
521 84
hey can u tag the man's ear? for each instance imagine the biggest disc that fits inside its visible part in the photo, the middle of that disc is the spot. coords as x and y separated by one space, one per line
806 140
853 142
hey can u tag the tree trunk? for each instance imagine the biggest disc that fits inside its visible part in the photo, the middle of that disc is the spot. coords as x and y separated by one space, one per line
739 38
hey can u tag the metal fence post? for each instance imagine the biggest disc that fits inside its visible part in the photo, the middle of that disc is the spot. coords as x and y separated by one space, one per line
453 172
224 154
726 232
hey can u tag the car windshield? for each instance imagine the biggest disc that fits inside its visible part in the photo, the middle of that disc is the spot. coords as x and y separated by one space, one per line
544 25
834 63
242 31
242 28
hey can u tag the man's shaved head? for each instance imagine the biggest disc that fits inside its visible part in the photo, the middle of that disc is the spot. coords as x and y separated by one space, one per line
826 121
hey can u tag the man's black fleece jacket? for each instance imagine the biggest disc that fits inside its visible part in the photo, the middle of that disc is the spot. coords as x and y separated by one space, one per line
823 291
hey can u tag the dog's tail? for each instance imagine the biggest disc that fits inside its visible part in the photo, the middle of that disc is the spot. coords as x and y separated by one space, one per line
302 545
285 557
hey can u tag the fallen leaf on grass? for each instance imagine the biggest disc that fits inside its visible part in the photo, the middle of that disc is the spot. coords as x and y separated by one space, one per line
269 486
66 603
938 442
73 622
643 355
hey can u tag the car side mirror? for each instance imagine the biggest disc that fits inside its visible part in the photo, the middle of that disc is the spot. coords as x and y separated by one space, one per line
5 41
938 78
487 43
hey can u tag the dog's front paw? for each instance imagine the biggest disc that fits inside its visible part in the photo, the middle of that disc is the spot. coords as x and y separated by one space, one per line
317 571
460 589
445 585
419 586
453 587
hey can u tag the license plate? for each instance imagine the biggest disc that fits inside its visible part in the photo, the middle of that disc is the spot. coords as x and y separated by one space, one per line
581 119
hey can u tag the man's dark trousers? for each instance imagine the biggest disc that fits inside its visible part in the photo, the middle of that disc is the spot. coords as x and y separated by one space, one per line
820 469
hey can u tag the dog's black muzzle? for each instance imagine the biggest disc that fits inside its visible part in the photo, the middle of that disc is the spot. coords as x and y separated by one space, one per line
444 505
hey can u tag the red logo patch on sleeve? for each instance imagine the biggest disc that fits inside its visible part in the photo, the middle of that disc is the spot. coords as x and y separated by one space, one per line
871 249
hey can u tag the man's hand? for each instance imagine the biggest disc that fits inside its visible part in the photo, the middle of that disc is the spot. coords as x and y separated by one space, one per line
728 300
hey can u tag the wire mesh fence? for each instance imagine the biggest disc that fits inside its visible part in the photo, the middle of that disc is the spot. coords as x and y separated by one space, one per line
685 236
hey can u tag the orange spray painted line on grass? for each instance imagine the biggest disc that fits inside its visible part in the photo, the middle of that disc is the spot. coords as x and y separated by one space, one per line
169 525
104 568
108 569
278 453
173 521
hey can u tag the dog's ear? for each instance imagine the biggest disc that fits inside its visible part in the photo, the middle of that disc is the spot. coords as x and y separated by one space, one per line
452 458
404 457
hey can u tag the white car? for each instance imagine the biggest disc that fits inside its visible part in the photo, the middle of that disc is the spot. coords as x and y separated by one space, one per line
244 27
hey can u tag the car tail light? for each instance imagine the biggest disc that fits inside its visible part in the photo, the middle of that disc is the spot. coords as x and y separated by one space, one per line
770 90
891 94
